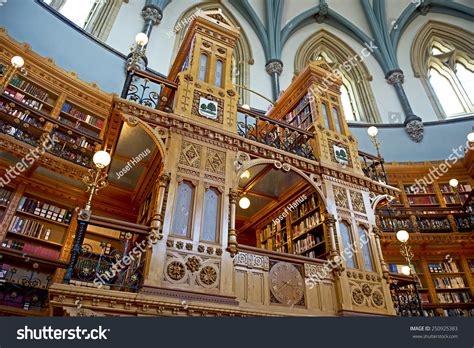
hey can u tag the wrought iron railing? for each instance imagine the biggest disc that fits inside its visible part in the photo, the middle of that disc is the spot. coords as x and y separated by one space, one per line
25 289
113 260
150 90
278 134
433 220
373 167
405 296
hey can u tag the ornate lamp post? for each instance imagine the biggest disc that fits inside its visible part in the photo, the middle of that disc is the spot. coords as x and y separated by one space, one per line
137 54
373 131
95 180
454 184
7 72
413 305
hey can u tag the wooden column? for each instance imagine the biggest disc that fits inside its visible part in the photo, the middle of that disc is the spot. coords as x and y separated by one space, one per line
232 242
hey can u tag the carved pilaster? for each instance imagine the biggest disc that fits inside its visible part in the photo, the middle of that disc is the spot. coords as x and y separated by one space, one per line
378 233
232 242
333 245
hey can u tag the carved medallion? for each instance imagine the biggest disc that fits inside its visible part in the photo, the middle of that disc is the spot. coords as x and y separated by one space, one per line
208 275
357 296
176 270
286 283
193 264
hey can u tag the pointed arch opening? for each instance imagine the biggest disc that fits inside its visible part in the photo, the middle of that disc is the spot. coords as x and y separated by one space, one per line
358 100
442 58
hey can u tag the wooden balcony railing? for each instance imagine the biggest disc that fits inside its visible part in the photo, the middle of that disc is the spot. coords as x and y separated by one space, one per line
405 296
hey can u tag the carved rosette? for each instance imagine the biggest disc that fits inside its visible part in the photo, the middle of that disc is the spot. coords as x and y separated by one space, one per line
415 131
252 261
175 270
193 264
208 275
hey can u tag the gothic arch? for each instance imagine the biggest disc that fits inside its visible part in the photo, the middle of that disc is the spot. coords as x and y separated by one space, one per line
356 74
243 57
422 58
158 134
285 167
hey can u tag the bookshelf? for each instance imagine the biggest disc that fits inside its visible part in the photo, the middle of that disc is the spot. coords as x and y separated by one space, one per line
300 116
443 287
5 196
301 232
38 227
425 196
450 196
27 111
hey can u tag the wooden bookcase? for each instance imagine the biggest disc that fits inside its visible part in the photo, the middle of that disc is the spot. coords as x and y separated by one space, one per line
425 197
5 195
39 227
301 115
27 111
299 231
450 197
443 287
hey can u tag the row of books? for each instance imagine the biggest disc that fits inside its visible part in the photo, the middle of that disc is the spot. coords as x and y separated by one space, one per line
309 204
24 99
30 249
78 126
306 224
433 224
24 116
422 200
19 134
75 141
443 267
391 224
5 196
69 155
301 245
73 111
458 312
302 105
446 188
268 231
42 209
29 88
471 265
449 283
418 189
454 297
30 228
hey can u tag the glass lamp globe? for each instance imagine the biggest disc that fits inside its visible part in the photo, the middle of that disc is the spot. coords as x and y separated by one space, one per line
453 183
141 39
403 236
470 137
101 159
406 270
244 203
245 175
246 106
372 131
17 62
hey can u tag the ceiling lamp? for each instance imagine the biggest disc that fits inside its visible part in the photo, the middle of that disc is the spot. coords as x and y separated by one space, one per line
244 203
470 137
403 236
245 175
372 131
453 183
406 270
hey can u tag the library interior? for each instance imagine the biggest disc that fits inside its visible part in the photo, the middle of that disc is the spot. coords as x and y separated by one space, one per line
236 158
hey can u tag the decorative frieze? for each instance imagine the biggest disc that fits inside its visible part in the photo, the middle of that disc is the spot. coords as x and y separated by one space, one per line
252 261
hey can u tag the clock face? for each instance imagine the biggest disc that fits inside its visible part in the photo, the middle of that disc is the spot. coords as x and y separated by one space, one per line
286 283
